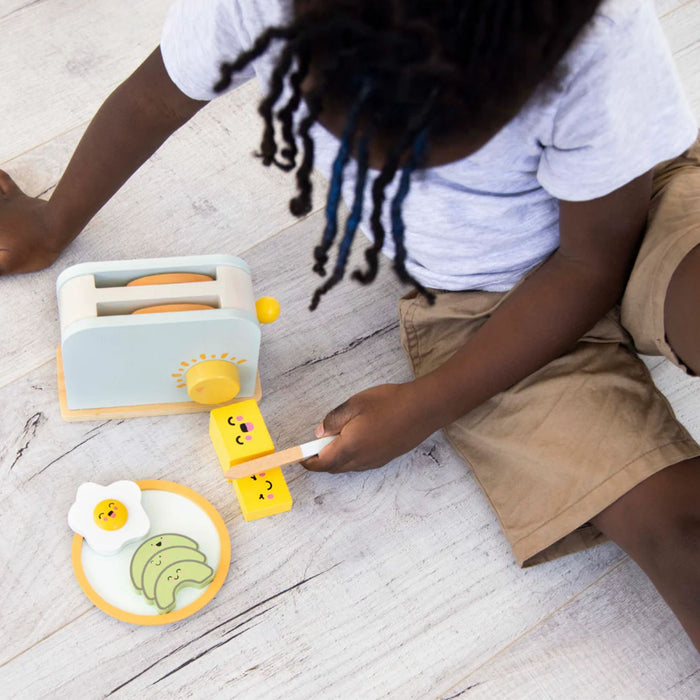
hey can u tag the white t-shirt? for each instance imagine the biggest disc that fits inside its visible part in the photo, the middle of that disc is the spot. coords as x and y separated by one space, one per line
486 220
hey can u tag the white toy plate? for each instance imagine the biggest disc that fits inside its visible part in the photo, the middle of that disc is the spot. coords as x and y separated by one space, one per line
172 508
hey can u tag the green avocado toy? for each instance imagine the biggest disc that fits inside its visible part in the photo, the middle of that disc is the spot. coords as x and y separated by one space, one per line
150 547
165 563
182 573
161 560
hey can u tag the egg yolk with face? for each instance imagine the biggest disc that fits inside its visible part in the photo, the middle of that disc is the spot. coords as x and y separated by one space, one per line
110 514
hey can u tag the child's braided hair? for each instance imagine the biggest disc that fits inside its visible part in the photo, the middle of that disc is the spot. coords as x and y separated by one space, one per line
408 73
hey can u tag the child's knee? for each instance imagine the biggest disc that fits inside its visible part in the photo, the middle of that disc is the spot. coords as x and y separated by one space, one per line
670 523
675 541
659 517
680 310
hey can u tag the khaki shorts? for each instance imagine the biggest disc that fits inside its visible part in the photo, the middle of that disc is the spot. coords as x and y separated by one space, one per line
560 446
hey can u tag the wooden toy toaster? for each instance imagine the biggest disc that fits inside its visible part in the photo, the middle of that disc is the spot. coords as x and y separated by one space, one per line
167 335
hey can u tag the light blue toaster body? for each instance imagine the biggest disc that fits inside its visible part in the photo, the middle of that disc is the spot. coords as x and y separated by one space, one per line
114 358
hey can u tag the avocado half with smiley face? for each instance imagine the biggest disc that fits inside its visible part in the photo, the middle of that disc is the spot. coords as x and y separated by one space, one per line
176 576
152 546
165 563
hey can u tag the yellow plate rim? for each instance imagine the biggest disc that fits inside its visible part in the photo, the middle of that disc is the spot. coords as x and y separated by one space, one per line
176 615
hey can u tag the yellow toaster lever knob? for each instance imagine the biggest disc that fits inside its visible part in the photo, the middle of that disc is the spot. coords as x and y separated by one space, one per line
213 382
267 309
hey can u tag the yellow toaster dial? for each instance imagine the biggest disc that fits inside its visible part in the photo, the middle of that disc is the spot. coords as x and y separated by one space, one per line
238 433
212 382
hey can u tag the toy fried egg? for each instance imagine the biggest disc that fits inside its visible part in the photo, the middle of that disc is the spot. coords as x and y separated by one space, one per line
108 517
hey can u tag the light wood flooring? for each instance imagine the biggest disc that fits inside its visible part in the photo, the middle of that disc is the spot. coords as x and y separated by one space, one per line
394 583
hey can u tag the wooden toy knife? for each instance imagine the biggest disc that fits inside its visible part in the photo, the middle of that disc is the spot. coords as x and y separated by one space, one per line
277 459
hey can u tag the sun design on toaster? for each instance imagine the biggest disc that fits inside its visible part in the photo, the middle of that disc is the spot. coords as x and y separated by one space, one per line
181 372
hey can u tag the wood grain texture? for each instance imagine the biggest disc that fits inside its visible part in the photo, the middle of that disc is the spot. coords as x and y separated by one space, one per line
665 7
392 583
66 56
550 662
283 458
413 555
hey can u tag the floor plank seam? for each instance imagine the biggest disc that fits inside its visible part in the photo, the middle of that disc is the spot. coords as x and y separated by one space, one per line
28 372
531 629
675 9
290 225
21 9
80 125
45 638
343 350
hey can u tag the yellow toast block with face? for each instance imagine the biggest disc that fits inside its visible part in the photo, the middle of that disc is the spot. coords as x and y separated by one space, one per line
263 494
238 433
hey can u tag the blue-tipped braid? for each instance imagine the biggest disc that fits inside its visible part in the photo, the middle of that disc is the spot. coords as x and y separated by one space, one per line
351 224
336 185
447 68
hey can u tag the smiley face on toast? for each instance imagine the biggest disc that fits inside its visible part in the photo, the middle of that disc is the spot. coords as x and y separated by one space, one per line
238 433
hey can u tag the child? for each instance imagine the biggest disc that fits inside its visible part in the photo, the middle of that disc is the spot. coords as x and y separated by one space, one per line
535 126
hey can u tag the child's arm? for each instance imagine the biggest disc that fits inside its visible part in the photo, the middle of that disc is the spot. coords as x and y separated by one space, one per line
131 124
540 321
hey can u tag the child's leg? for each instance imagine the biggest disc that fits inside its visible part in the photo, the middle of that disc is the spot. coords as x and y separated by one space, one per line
658 524
658 521
682 311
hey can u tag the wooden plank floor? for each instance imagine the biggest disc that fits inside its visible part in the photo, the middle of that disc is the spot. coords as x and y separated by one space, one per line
394 583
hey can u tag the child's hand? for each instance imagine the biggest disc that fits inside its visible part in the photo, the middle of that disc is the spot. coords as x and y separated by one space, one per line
27 240
375 426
